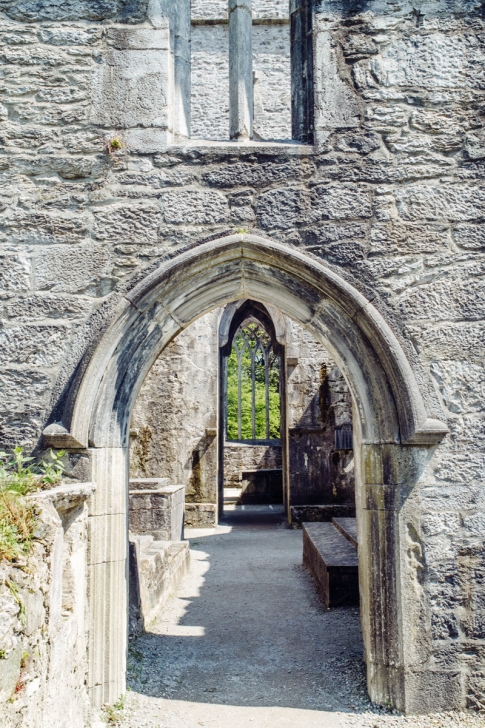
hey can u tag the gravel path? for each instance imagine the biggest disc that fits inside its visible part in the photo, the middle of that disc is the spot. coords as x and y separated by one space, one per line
246 642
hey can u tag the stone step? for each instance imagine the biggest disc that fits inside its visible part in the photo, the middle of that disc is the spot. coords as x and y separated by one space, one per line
348 528
333 563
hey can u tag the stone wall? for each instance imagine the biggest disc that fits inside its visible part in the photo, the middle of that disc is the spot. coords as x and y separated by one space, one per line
318 401
175 417
43 628
210 71
391 198
210 79
239 457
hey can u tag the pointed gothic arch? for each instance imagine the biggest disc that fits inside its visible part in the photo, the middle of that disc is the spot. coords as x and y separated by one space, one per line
391 428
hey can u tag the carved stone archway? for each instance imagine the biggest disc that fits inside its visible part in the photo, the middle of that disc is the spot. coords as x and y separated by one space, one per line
390 420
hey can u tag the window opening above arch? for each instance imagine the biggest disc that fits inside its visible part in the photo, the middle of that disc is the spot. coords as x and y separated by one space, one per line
251 69
253 385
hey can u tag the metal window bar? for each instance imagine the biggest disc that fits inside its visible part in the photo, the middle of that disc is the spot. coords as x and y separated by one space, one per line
251 337
343 437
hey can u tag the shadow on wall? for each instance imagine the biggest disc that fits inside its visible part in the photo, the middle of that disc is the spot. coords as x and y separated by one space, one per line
197 487
319 472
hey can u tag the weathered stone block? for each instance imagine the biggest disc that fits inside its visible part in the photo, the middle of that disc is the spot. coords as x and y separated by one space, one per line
193 207
429 61
44 228
445 300
128 222
462 385
15 275
158 510
336 106
131 87
35 345
77 269
33 308
282 208
107 538
423 202
339 202
470 237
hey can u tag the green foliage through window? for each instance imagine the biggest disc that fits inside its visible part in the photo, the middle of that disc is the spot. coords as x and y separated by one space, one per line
253 370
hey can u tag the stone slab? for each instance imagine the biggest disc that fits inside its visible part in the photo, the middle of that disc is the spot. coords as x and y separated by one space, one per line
332 562
348 528
321 513
156 570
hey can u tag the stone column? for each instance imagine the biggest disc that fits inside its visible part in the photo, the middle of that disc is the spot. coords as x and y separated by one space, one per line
240 69
108 584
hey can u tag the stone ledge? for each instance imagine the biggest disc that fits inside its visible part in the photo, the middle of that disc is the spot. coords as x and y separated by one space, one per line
67 496
234 147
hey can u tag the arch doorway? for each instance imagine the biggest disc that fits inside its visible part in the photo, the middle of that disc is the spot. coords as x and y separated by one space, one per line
392 434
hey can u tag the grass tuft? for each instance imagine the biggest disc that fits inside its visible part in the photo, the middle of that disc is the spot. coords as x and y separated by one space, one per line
20 475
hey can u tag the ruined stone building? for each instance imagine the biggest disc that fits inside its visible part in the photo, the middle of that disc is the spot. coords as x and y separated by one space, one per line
172 172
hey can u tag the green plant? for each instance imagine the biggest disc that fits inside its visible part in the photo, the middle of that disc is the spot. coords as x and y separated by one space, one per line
19 476
242 231
114 145
3 655
112 712
247 391
52 471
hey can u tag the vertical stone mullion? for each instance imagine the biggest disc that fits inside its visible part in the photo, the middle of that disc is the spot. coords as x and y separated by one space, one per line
240 70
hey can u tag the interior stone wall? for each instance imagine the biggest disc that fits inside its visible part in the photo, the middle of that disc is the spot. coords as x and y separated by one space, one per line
318 401
210 70
175 418
178 402
239 457
391 196
210 82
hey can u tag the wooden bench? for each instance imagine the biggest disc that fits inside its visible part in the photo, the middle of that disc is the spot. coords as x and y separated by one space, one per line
331 558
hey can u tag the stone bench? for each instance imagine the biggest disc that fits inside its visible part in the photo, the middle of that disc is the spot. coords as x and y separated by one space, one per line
157 508
156 570
332 561
348 529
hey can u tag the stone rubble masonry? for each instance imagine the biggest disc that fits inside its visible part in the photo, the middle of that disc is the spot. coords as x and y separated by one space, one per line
43 625
239 456
156 508
270 79
391 197
318 401
156 569
177 403
175 416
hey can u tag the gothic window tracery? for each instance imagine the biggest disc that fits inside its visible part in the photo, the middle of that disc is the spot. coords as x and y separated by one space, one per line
253 387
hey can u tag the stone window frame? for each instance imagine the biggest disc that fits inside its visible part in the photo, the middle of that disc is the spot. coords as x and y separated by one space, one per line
250 311
157 60
241 77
